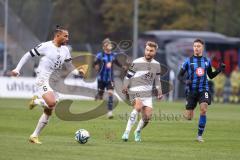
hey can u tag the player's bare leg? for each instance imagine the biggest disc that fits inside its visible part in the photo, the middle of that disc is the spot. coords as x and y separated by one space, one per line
146 116
202 121
137 104
220 95
110 103
188 114
50 100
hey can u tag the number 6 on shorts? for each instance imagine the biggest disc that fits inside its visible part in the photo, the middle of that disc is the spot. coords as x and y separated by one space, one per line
44 88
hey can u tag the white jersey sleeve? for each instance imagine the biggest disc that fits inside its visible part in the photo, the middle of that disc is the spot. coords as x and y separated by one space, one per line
130 73
39 50
68 55
23 60
36 51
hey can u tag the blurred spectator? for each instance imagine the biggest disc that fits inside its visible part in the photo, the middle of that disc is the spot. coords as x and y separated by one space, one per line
219 83
235 84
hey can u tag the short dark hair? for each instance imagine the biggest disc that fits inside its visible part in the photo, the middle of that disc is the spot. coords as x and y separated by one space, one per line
199 41
58 29
152 44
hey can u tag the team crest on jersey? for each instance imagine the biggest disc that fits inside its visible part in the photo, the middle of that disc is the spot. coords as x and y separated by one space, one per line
200 72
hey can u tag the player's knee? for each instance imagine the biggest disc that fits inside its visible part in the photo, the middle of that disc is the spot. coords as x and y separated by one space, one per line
138 105
138 109
110 93
100 94
51 104
203 111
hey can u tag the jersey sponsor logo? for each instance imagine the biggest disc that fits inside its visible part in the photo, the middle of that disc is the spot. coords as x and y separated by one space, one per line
200 72
148 77
109 65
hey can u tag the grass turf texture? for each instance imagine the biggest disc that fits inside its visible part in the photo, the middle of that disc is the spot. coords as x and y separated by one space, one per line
168 136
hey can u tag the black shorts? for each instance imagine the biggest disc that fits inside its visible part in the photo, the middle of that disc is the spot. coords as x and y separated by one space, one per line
102 85
192 98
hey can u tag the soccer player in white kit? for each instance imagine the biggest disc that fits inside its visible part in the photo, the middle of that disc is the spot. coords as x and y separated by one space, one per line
53 54
138 83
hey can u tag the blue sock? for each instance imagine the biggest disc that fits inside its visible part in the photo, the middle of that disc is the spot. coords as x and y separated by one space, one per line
201 124
110 103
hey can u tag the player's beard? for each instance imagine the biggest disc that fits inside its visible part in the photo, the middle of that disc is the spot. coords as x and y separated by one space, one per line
148 58
64 43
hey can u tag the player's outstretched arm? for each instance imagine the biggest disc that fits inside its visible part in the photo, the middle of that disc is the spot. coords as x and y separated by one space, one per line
16 72
212 74
80 70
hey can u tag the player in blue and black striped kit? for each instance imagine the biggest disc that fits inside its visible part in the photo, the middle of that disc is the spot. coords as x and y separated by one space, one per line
104 65
198 68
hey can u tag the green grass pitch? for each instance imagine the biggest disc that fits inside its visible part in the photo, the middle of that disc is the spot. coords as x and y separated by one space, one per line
167 137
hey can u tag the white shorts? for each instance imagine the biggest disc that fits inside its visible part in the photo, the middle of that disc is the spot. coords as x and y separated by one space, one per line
146 98
42 84
146 102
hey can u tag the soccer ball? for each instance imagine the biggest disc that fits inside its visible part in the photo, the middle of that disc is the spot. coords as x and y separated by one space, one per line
82 136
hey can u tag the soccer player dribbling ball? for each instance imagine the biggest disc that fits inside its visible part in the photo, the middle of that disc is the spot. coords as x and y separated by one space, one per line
138 83
198 68
53 55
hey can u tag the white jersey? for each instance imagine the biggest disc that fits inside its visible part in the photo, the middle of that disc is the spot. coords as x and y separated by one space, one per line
144 74
140 79
53 57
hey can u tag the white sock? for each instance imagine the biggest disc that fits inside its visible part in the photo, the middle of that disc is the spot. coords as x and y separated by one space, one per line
132 119
40 102
43 120
140 125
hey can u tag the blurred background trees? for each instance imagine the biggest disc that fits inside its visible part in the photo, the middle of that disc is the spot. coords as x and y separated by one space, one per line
92 20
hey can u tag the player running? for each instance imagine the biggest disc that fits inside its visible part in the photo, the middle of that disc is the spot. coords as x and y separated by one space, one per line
197 68
104 65
53 55
139 79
